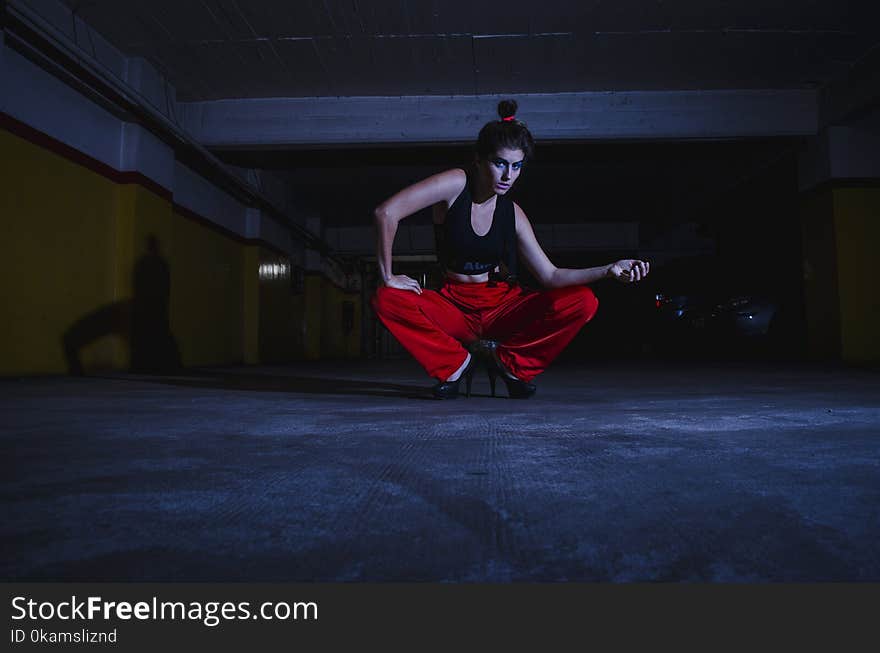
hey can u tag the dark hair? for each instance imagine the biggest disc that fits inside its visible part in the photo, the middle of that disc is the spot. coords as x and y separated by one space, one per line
511 133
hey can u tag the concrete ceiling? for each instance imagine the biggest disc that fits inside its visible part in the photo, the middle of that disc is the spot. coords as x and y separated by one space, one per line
237 49
212 49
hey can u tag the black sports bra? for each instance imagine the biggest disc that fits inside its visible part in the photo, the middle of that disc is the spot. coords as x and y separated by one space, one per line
461 250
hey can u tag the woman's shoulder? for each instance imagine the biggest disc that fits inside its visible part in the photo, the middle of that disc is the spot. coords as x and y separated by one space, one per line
520 219
458 177
455 181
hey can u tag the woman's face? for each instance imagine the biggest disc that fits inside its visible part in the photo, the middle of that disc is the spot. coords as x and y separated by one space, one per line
501 170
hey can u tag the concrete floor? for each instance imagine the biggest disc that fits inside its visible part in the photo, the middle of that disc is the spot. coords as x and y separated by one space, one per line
636 471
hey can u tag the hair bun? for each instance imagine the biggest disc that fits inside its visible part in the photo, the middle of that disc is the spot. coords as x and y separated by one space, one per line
507 108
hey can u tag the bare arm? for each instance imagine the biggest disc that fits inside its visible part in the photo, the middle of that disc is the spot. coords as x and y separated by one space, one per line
550 276
442 187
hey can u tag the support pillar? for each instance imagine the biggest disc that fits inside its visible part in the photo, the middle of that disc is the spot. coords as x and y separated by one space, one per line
840 218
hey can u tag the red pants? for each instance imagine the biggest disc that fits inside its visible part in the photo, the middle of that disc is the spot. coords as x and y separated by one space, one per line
531 327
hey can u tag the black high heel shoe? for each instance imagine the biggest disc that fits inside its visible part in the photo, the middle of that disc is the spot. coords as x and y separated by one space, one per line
516 388
449 389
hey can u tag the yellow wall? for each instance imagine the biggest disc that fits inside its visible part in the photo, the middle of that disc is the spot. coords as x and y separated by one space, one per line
58 232
313 296
335 343
207 294
251 298
281 316
72 240
857 237
323 333
841 234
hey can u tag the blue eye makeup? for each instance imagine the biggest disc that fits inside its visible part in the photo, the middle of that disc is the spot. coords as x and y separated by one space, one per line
500 163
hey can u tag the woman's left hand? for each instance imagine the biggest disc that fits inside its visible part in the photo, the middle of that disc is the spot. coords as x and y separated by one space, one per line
629 270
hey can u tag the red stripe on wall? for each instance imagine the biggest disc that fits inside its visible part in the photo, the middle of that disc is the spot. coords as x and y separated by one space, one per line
64 150
43 140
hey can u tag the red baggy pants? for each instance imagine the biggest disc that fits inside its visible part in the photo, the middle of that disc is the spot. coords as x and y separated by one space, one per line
531 327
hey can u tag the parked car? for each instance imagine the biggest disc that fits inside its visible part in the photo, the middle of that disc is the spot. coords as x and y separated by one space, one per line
698 309
745 316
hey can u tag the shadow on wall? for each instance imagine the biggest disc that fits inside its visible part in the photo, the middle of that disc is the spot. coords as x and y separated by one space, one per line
143 321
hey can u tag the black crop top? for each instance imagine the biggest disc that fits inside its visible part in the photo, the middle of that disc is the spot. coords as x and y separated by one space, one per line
461 250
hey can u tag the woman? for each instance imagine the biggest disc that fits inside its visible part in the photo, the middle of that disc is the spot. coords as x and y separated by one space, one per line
480 234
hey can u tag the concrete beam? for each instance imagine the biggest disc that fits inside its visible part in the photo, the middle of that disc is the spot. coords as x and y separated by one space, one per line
844 152
283 122
847 98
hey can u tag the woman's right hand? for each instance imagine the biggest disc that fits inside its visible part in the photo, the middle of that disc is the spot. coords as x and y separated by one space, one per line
403 282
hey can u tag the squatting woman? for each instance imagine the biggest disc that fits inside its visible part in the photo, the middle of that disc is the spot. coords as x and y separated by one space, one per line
481 236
